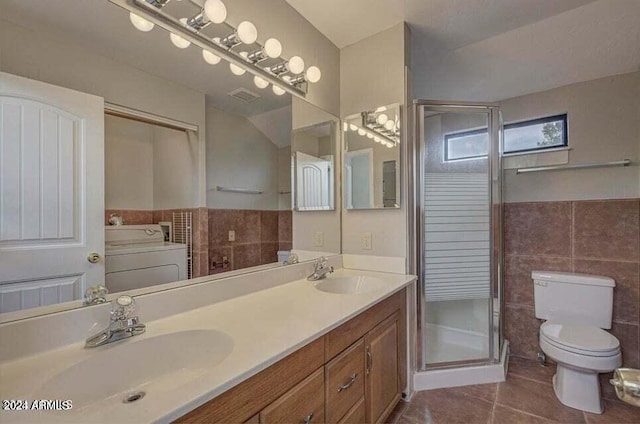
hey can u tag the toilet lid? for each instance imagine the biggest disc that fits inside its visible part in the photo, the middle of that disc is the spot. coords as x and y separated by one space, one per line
577 336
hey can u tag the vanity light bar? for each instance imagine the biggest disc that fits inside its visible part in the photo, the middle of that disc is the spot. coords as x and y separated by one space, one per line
369 125
151 10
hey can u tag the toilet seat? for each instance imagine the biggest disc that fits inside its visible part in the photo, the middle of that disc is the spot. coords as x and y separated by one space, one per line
580 339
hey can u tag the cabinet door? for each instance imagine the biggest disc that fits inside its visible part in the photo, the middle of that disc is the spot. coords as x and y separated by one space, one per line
382 388
302 404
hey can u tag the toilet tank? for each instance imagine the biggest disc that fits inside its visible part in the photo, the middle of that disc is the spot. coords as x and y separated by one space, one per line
578 298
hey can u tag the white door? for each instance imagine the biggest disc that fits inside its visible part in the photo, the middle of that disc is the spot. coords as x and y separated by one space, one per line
313 182
358 177
51 193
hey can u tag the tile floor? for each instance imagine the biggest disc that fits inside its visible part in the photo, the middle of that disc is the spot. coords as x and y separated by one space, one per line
526 397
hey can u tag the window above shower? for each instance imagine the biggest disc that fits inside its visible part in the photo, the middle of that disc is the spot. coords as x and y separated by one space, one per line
532 135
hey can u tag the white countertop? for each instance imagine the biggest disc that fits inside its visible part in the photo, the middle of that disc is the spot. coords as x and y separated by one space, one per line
265 326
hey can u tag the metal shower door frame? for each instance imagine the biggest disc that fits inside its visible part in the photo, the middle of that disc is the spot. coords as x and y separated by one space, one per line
495 219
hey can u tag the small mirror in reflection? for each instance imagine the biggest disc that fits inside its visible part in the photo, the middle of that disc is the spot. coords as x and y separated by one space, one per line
372 154
313 161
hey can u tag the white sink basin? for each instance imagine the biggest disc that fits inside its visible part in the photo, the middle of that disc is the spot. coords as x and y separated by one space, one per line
131 365
350 285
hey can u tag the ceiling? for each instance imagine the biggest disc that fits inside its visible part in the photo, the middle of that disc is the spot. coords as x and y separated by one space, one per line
103 27
345 22
488 50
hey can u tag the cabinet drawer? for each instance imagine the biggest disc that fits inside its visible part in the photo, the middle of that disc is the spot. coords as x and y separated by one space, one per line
302 404
356 415
339 338
344 381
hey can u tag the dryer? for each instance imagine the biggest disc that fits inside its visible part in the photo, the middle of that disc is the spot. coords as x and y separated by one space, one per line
137 256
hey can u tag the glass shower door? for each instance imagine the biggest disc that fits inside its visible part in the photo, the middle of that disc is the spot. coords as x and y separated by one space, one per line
460 233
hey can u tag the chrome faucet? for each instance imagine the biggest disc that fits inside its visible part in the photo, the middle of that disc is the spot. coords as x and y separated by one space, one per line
320 270
123 324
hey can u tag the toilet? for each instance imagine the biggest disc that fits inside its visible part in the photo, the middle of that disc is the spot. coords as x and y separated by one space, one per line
576 308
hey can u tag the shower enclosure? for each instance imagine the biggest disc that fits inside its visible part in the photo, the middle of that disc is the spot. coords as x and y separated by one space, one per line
458 237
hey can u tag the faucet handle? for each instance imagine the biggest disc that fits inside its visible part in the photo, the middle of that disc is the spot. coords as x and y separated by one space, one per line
322 262
95 295
122 308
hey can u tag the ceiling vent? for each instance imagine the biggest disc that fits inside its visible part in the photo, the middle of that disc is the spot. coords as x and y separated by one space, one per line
244 95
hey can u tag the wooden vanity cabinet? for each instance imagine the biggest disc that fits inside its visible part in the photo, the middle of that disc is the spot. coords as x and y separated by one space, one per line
353 374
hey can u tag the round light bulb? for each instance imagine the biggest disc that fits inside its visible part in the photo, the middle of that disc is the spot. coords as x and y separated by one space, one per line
397 125
296 65
273 48
389 125
345 127
369 135
215 10
389 145
361 131
236 70
141 24
247 32
381 109
377 139
353 127
210 58
382 118
260 82
313 74
178 41
278 91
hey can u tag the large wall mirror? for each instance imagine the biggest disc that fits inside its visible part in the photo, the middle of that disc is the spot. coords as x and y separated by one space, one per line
198 163
372 159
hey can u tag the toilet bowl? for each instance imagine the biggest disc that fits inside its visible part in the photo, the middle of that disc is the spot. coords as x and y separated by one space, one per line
576 309
581 353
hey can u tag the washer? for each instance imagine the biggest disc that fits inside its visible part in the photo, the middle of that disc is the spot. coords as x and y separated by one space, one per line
137 256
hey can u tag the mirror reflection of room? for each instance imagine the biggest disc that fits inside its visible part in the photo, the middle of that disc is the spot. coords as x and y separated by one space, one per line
188 160
150 201
371 158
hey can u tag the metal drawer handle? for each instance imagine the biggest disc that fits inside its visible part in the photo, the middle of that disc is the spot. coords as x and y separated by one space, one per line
349 384
308 418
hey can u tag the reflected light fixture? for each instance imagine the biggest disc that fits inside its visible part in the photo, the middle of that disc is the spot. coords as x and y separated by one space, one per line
210 58
260 82
141 24
237 70
178 41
